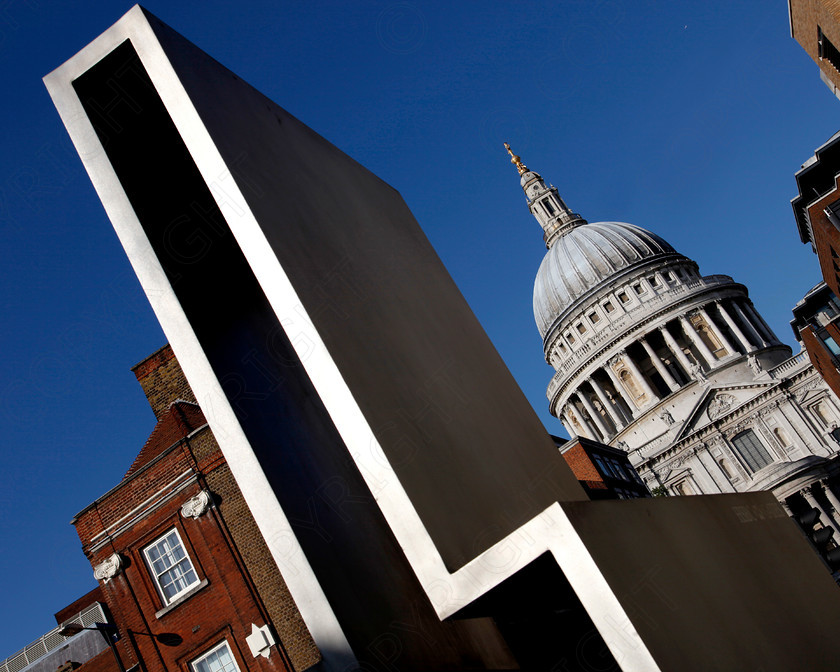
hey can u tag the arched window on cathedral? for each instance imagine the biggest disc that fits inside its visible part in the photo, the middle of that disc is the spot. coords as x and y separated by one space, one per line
549 207
630 385
781 437
683 488
822 412
751 451
708 336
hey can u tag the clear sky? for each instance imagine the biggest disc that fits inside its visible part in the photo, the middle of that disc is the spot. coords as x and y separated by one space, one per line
686 118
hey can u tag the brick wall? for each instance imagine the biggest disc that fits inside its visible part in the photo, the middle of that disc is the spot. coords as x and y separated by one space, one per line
241 584
820 356
806 15
79 605
826 239
223 605
162 380
580 464
263 570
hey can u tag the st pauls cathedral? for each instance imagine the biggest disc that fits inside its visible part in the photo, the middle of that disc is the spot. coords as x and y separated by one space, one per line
676 368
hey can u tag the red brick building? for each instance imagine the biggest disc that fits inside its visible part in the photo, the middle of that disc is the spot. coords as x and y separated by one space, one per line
817 209
815 24
178 554
603 471
816 323
817 213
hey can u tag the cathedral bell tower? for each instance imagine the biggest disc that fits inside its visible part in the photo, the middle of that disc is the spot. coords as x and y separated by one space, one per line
545 203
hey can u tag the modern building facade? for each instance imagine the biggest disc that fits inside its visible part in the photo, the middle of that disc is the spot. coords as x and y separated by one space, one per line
677 369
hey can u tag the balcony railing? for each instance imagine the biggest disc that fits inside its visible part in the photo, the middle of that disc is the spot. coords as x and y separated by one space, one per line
794 362
52 640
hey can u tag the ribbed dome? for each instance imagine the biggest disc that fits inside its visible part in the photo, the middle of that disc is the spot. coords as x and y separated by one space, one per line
585 257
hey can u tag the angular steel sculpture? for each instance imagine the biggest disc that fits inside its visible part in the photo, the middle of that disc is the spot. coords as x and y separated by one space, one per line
408 493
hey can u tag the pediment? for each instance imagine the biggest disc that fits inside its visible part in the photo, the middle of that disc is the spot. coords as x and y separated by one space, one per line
670 475
811 393
717 403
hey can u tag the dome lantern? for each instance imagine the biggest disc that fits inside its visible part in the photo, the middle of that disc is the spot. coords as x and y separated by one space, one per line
545 203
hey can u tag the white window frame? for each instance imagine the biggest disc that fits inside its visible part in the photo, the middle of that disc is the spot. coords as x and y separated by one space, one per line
156 576
221 645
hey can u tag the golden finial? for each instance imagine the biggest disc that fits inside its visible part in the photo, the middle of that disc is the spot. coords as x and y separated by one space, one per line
516 161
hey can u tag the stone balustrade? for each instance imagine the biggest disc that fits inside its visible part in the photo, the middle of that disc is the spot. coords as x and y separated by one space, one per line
779 371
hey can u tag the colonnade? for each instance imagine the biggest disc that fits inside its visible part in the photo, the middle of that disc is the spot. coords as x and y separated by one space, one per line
617 392
830 519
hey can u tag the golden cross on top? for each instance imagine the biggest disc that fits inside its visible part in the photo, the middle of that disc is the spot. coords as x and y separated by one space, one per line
515 160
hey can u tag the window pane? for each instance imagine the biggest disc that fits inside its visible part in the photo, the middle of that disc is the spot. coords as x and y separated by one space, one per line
831 344
219 660
752 452
171 566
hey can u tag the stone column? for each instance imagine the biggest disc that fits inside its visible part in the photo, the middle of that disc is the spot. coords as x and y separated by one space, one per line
640 377
617 419
784 505
825 519
694 337
659 366
832 499
721 337
749 347
676 349
564 420
759 321
749 324
575 429
596 417
620 389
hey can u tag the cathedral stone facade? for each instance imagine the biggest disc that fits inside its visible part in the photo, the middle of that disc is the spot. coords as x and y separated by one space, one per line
676 368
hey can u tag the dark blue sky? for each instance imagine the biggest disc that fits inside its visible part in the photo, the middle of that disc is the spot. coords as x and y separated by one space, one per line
685 118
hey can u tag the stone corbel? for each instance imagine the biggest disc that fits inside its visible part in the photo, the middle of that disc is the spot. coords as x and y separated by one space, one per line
108 568
197 505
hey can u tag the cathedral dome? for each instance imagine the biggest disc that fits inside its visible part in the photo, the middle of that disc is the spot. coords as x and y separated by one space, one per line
583 258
